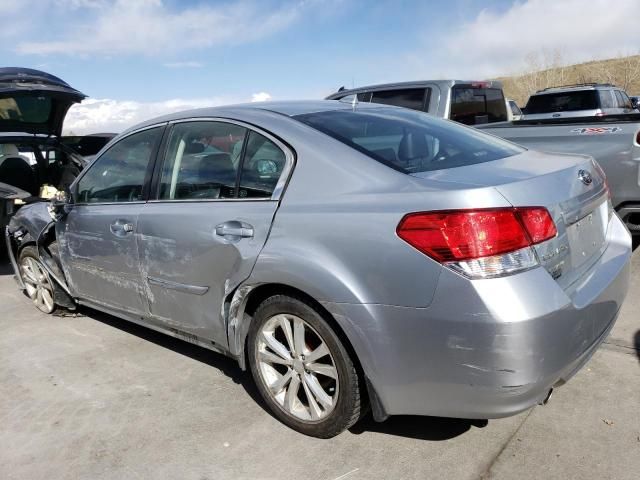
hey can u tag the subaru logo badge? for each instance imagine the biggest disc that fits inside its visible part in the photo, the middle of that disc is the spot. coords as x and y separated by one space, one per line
585 177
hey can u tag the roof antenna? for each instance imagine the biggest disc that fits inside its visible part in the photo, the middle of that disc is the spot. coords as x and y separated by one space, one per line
354 102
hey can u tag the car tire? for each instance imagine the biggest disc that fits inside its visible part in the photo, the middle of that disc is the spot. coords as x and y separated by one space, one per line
38 285
321 397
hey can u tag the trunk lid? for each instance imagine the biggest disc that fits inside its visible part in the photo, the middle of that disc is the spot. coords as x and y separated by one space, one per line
34 102
571 187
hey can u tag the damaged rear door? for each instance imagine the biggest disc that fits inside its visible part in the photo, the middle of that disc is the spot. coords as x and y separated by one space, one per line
216 196
97 238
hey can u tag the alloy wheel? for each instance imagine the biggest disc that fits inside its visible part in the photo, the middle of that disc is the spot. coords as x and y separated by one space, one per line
297 367
37 284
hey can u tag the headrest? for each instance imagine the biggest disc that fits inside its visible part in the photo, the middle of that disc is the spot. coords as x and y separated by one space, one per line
8 149
194 147
216 162
413 145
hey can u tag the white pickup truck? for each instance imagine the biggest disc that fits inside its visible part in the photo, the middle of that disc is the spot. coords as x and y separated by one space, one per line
614 141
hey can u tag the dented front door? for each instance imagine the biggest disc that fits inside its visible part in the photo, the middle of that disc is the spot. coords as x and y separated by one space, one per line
98 236
100 255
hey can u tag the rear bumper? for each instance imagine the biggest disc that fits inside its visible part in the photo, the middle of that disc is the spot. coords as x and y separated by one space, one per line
488 348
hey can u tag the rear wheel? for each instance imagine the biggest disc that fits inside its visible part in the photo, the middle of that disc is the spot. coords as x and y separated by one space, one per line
36 280
302 369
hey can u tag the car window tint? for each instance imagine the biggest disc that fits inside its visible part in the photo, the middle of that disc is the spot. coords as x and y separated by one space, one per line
409 141
408 98
626 101
563 102
607 99
25 109
118 174
619 101
474 105
262 166
202 161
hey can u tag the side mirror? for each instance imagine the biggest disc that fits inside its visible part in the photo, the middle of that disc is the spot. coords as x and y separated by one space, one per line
634 102
58 203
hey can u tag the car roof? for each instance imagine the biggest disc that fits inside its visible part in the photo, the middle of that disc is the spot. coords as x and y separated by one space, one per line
242 111
576 88
414 84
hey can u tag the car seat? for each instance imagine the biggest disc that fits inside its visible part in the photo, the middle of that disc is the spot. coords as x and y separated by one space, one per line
15 169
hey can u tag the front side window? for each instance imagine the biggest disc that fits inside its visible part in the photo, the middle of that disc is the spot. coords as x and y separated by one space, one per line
409 141
118 175
412 98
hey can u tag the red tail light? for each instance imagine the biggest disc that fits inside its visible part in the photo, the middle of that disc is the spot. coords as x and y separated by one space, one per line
462 235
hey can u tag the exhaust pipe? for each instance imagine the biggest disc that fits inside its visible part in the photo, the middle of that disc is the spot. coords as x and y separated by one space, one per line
547 398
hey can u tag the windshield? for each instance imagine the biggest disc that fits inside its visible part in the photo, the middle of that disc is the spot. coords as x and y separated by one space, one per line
409 141
563 102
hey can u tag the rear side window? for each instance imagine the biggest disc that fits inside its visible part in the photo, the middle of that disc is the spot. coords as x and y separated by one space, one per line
219 160
623 100
261 167
202 161
607 100
474 106
413 98
409 141
563 102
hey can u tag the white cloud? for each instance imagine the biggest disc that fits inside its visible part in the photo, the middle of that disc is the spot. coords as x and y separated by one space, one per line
108 115
187 64
260 97
495 43
149 27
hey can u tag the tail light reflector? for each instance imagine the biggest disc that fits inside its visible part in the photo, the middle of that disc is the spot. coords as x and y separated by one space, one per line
479 243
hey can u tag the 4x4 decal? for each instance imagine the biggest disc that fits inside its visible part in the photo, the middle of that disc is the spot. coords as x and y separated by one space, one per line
595 130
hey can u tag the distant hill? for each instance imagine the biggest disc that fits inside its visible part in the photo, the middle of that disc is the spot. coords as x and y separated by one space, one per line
623 72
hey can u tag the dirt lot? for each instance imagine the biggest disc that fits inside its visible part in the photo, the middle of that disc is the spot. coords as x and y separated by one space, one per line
95 397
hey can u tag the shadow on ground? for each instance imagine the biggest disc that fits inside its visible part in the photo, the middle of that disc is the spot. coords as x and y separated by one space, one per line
5 264
636 343
424 428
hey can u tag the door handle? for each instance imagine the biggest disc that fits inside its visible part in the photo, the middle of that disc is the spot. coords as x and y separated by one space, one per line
234 229
120 228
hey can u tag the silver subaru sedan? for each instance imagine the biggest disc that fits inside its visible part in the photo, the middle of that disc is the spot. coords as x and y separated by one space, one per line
350 256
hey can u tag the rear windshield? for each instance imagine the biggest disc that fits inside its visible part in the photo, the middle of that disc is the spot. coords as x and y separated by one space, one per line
563 102
474 106
409 141
25 109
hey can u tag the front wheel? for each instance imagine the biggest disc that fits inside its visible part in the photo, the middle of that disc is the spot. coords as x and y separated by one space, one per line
302 369
36 280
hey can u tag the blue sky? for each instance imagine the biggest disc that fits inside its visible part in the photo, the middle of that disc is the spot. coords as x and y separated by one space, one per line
139 58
